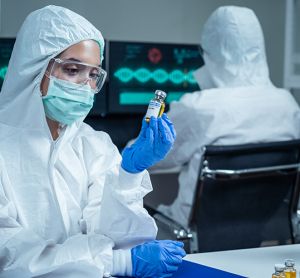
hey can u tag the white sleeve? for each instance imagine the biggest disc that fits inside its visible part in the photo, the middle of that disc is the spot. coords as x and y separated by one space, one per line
123 217
115 202
23 251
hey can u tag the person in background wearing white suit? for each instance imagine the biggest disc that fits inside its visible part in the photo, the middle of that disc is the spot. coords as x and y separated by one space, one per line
238 103
70 204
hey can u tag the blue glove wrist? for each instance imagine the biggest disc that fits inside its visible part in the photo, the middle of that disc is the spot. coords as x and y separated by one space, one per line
158 258
128 166
152 145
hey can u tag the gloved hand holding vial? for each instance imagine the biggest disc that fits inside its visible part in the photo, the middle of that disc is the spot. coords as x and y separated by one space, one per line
155 140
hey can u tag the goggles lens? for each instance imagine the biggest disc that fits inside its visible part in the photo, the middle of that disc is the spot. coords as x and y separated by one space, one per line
79 73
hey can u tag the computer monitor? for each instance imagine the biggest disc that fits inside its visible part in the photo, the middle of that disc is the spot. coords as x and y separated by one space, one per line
6 47
137 69
100 103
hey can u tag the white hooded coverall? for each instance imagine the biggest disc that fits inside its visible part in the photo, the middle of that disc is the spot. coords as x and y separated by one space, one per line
67 209
238 103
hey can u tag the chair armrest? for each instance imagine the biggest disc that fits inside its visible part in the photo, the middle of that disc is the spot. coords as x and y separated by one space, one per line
233 174
179 231
159 171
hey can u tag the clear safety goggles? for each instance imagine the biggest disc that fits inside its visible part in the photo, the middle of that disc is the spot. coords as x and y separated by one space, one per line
79 73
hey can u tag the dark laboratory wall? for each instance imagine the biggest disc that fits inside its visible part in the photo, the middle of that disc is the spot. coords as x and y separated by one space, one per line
120 127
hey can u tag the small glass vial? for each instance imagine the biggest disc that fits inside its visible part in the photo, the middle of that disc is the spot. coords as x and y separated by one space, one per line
157 105
279 271
290 271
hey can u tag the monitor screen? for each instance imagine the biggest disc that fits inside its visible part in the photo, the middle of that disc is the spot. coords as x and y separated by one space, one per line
100 106
136 70
6 47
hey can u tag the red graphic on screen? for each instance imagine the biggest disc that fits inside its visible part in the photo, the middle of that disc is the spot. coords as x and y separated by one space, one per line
154 55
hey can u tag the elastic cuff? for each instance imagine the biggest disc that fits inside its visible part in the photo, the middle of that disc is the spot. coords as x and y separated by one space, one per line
122 265
130 180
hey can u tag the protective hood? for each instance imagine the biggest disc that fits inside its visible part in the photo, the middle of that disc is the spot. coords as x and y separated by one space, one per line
203 78
234 50
44 34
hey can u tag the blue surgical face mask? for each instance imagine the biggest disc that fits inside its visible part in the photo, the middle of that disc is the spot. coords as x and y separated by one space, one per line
66 101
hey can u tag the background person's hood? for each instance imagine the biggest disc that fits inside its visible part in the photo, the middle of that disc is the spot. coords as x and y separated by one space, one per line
44 34
234 49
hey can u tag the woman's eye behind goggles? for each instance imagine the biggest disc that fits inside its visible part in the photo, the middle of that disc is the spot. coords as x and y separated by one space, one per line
78 72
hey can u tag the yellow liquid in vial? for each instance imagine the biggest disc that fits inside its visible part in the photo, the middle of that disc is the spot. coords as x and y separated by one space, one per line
281 275
290 274
162 109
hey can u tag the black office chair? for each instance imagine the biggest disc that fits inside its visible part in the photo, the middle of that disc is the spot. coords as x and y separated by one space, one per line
247 196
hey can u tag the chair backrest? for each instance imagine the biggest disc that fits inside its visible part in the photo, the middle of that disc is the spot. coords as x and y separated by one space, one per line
246 195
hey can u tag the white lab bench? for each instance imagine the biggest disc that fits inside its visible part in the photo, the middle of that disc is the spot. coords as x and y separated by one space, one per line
254 263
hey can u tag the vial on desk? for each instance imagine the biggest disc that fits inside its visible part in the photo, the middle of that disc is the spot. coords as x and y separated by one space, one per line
290 271
157 105
279 271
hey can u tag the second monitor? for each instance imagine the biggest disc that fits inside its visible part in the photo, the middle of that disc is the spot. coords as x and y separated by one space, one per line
137 69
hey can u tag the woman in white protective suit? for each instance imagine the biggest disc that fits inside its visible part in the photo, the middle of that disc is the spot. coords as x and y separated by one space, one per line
70 204
238 103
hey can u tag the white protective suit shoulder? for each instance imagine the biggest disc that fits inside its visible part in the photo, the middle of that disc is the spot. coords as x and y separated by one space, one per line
243 107
64 204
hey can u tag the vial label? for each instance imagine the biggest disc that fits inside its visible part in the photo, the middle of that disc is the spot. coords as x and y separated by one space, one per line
153 109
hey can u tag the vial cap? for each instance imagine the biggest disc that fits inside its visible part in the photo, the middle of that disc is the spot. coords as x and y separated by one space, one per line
289 262
161 93
279 267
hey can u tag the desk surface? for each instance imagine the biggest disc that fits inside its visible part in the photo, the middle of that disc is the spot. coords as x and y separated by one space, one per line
254 263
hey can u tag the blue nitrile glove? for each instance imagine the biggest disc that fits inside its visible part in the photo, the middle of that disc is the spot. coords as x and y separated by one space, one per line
152 145
156 259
